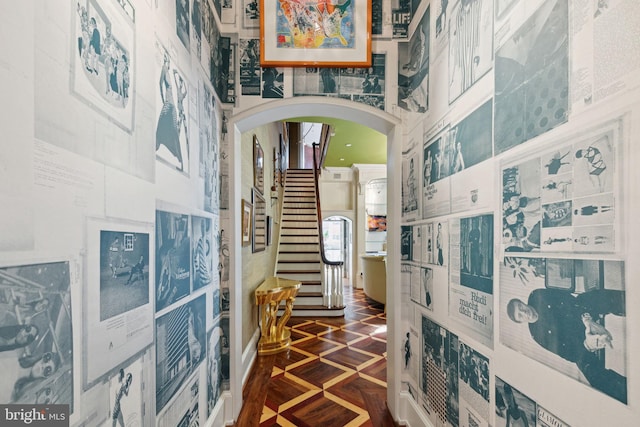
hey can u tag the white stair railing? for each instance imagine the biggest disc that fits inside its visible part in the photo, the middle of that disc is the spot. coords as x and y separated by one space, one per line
331 274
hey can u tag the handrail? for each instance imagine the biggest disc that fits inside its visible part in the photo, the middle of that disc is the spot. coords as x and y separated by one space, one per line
320 232
324 146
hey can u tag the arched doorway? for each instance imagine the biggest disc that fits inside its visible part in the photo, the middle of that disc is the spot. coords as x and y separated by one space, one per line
320 107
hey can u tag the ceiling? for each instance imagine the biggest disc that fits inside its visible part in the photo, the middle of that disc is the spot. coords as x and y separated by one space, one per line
367 145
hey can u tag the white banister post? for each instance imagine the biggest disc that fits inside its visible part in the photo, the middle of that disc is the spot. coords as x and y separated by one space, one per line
340 301
323 284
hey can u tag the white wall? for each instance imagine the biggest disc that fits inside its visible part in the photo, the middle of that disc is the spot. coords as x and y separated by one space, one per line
598 96
257 265
77 162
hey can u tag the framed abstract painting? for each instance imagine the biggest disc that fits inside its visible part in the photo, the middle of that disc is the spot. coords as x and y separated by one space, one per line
318 33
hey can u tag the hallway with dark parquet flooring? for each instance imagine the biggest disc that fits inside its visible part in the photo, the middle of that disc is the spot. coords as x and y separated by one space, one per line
333 375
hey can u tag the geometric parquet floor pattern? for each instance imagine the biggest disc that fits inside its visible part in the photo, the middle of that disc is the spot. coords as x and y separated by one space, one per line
334 374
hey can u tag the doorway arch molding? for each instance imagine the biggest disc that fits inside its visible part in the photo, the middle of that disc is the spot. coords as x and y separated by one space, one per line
273 111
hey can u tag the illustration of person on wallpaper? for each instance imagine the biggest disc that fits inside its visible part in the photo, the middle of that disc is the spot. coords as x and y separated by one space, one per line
167 130
569 327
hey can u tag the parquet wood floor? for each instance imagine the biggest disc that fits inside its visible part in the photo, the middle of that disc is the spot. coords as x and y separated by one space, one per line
333 375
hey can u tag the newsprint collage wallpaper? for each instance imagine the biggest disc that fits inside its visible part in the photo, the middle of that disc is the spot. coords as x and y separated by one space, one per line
516 180
511 239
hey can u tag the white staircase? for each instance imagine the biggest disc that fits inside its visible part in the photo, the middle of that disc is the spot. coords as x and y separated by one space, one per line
299 255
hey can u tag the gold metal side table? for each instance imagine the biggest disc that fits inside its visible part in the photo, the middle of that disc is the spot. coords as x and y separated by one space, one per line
274 337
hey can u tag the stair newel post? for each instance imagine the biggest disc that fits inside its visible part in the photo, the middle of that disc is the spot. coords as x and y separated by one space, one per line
326 291
338 281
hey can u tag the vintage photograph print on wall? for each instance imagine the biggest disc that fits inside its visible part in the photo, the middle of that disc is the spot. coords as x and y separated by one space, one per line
104 57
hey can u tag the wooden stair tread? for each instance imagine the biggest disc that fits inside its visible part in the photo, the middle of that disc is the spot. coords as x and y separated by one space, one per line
298 243
316 307
297 272
299 261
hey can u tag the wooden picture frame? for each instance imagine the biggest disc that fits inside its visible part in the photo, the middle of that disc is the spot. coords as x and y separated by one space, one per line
258 166
269 230
259 241
247 222
283 43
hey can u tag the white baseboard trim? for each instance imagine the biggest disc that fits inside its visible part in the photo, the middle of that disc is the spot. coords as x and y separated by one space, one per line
217 417
411 413
249 355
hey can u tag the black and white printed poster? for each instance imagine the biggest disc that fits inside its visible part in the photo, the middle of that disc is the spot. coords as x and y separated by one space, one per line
411 362
436 191
173 260
250 66
217 5
471 275
406 242
225 349
36 342
221 64
442 10
183 20
184 410
436 243
104 58
319 81
226 10
214 367
273 82
125 396
413 68
515 408
532 77
180 347
216 255
470 44
442 24
563 199
570 315
203 52
457 149
469 142
402 12
120 280
124 272
224 259
410 183
363 85
454 378
376 17
251 13
216 55
209 149
205 108
196 26
172 128
422 287
202 251
401 18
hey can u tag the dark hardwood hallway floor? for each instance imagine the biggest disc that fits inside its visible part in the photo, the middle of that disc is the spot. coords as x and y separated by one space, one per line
333 375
